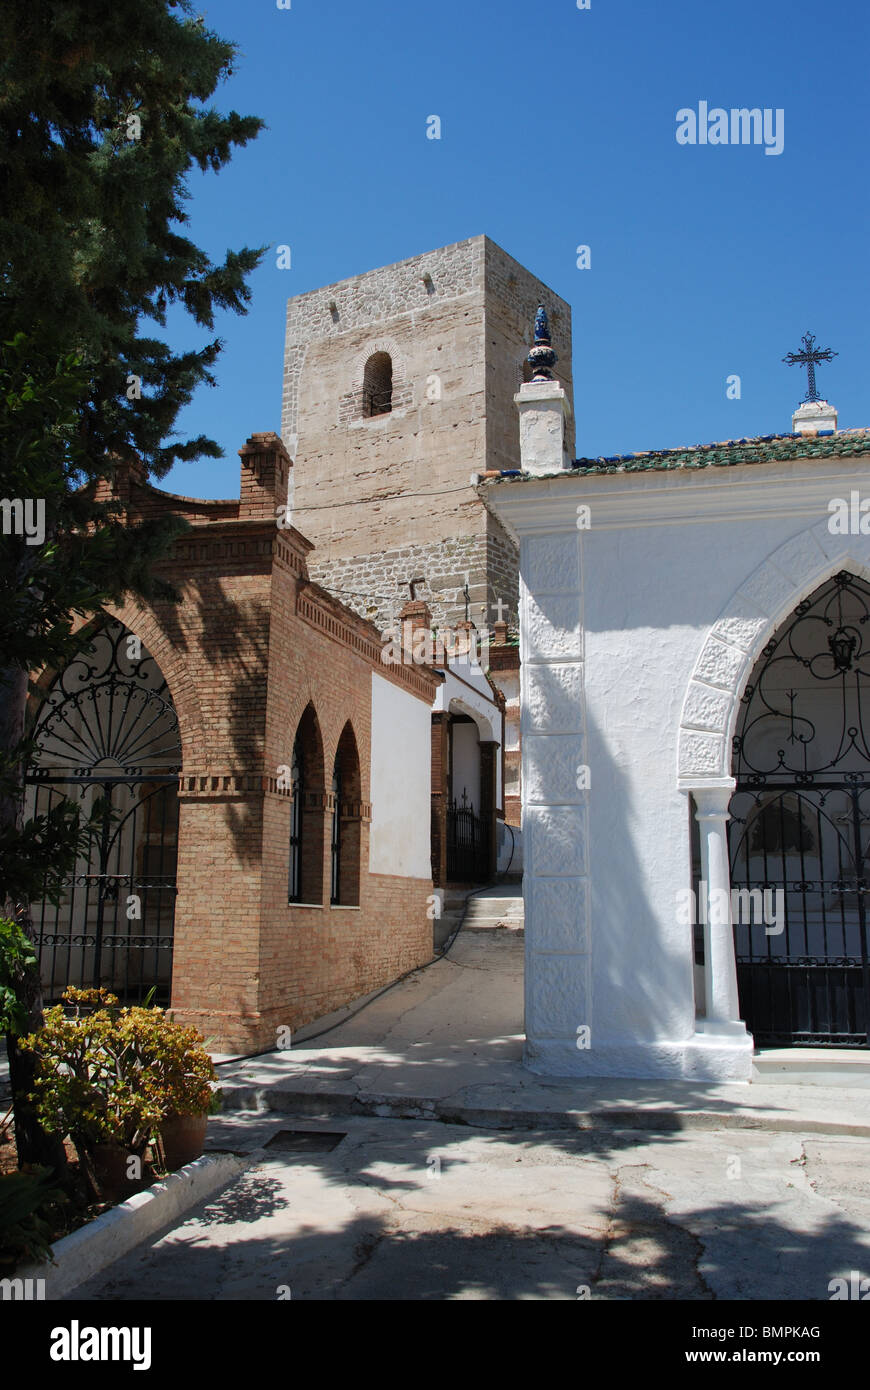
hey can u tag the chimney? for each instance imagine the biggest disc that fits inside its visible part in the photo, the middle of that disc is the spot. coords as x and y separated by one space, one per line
416 613
265 476
544 408
465 642
127 474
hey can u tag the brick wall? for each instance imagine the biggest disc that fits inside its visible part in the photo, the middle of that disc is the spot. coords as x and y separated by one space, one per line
252 646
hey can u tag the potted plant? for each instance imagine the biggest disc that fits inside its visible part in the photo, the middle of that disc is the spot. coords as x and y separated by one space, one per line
110 1078
179 1080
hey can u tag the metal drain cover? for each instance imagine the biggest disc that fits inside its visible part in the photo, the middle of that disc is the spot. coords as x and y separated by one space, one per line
305 1141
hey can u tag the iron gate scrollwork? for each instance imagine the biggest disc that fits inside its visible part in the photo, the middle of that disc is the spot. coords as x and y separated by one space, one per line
467 844
107 736
800 826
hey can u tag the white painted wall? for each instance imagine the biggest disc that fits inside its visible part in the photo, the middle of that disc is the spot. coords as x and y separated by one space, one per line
401 782
613 622
466 764
465 690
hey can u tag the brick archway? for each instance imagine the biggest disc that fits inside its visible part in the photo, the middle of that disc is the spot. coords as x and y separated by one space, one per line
376 345
141 622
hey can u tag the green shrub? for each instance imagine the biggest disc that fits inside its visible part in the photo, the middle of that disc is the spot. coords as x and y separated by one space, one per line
27 1209
106 1075
16 958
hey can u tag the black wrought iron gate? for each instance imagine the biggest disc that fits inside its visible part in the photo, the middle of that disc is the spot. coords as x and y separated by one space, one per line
107 738
800 827
802 965
467 844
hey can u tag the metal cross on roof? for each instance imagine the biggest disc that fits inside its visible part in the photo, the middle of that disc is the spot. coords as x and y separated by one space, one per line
810 356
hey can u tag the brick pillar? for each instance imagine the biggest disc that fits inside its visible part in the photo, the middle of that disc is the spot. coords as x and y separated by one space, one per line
216 969
415 617
465 637
126 475
265 476
354 817
440 756
316 847
488 753
416 612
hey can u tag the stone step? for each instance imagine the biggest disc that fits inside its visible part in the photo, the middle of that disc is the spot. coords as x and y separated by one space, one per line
474 919
495 909
813 1066
591 1104
481 921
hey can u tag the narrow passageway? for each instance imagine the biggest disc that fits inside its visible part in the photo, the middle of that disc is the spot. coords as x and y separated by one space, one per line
456 1022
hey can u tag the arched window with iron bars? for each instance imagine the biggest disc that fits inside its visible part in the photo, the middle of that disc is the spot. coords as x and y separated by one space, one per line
307 828
378 385
294 885
346 839
335 890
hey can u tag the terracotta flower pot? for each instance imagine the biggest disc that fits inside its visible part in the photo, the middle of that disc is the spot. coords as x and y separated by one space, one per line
111 1171
183 1139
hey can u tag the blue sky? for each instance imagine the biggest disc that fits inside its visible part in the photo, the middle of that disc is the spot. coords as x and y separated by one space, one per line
558 129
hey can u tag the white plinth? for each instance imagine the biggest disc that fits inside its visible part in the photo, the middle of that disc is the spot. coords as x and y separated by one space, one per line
813 416
715 1053
544 410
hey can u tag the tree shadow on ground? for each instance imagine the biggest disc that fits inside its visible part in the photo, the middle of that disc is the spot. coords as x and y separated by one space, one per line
406 1234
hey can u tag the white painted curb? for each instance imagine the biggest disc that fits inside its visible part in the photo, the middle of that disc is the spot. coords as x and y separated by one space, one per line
91 1248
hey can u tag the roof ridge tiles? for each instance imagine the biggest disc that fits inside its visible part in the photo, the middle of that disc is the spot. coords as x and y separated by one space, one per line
722 453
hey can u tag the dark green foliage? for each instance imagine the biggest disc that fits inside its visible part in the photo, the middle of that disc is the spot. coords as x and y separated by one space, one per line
92 246
91 221
16 958
28 1213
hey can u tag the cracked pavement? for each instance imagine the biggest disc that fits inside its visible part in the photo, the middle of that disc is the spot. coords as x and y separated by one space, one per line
460 1175
403 1209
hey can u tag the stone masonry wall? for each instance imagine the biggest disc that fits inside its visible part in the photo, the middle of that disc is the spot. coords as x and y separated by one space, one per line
389 499
376 586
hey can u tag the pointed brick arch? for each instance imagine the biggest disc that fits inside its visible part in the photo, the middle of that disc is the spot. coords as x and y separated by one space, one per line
735 640
313 794
349 813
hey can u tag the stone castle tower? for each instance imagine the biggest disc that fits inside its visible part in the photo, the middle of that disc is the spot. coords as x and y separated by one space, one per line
399 385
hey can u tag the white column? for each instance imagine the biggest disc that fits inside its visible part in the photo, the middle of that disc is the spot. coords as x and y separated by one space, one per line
544 413
720 967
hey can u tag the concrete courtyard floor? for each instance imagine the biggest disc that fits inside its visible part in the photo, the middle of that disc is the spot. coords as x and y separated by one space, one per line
421 1161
